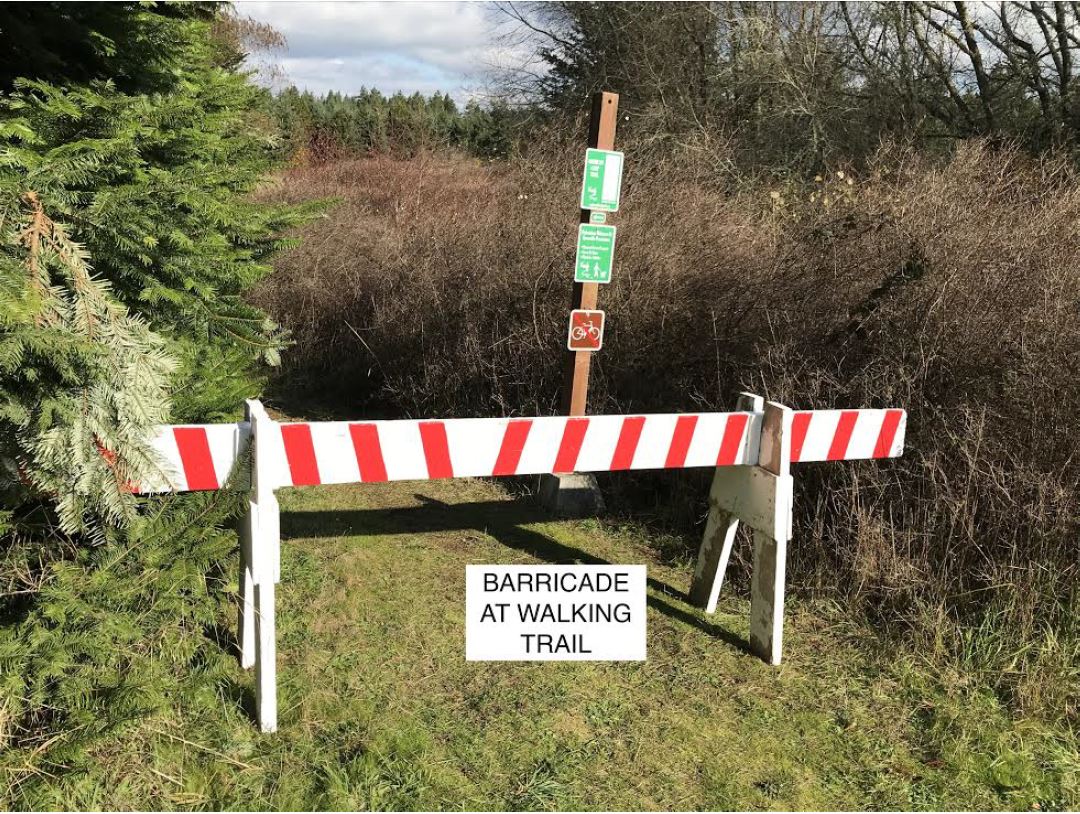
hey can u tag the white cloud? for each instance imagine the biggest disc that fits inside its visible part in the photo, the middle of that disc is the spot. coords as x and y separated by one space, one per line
407 46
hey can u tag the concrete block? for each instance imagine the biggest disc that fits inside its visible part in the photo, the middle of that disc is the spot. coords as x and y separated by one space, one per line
572 495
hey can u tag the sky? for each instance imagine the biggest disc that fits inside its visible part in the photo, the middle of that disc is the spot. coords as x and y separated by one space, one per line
407 46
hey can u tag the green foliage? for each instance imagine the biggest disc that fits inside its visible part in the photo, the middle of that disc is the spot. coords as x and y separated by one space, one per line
323 128
129 150
490 131
114 633
73 43
82 383
157 184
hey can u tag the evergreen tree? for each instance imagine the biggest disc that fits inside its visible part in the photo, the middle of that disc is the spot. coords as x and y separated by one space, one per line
83 381
129 149
324 128
156 185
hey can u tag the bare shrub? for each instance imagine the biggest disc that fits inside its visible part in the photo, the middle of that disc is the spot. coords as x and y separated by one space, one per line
439 286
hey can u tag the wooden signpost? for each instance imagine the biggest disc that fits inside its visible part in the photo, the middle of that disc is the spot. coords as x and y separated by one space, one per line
598 187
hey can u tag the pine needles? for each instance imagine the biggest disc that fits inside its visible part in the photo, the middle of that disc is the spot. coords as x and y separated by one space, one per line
77 430
127 243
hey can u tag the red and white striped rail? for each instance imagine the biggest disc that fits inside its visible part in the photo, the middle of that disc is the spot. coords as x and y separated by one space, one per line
196 457
200 457
846 435
749 449
481 447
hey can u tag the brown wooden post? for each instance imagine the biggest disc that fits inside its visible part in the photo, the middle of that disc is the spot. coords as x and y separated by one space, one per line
602 122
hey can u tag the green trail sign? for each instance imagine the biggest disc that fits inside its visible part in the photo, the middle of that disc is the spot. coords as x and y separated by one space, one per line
602 182
595 253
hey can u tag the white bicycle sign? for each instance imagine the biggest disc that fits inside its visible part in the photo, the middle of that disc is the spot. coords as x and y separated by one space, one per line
579 332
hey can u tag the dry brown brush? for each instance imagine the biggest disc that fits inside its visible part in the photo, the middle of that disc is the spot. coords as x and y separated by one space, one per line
439 286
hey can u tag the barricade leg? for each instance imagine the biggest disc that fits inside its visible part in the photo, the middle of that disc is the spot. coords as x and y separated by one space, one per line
771 538
767 597
246 622
712 559
720 529
261 572
265 657
264 573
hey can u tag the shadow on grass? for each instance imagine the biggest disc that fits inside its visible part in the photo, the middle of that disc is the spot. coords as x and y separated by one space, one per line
503 520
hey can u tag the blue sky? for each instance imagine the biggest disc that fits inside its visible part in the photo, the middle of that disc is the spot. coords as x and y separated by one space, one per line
408 46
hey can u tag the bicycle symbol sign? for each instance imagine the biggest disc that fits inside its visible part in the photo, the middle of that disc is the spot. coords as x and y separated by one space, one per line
586 330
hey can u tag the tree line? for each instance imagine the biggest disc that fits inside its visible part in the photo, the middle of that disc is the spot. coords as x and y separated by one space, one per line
794 86
320 128
803 84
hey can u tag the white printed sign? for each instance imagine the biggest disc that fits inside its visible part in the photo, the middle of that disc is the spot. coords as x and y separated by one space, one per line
555 612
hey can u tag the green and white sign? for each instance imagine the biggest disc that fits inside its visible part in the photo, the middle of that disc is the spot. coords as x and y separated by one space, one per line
595 253
603 180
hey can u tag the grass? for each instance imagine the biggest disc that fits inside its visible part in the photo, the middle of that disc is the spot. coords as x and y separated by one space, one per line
379 709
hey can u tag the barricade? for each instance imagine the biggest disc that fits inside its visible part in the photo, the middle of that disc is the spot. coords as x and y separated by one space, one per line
751 449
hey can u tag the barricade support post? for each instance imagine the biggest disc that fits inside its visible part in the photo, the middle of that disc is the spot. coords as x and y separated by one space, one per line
770 545
759 496
246 622
260 570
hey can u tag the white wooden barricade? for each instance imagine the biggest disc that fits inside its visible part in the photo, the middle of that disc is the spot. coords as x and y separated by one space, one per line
761 496
752 450
260 570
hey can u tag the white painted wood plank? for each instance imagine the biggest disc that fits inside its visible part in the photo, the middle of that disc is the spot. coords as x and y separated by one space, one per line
767 598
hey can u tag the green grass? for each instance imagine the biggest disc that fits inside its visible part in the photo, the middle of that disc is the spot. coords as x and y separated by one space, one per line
379 709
